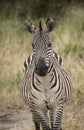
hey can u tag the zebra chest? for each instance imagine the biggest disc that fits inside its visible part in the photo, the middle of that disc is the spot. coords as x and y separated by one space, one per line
44 89
43 94
44 99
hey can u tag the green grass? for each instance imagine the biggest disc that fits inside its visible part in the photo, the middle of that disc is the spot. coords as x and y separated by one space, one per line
68 42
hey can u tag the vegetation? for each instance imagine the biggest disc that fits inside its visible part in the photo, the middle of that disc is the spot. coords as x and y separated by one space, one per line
15 46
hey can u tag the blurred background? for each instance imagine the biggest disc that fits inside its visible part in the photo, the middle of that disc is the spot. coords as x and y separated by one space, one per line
68 42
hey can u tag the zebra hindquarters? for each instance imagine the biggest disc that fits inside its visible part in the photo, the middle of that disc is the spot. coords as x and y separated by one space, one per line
56 117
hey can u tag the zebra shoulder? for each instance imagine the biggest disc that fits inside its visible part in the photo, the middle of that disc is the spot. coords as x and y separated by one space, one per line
57 58
28 62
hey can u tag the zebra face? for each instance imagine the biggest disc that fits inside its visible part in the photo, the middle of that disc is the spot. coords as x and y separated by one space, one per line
42 47
42 52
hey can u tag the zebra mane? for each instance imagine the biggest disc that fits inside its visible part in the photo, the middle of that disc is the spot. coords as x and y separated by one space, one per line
40 26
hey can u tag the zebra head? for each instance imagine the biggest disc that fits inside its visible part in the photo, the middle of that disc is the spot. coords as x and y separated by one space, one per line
42 46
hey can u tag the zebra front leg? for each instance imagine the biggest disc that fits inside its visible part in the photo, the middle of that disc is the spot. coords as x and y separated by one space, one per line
56 117
36 121
37 126
44 121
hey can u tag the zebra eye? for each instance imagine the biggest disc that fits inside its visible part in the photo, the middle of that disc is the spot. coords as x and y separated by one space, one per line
49 44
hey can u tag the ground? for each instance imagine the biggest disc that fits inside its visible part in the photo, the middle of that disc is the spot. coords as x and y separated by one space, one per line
22 119
16 120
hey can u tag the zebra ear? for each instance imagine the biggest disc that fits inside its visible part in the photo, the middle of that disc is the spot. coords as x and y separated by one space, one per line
30 27
40 26
50 24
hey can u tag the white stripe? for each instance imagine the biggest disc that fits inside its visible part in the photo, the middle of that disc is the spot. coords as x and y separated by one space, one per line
27 61
31 58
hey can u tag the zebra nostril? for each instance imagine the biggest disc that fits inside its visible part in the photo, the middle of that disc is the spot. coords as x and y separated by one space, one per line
36 68
44 67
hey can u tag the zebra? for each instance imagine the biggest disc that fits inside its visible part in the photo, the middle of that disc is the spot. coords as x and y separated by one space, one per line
45 84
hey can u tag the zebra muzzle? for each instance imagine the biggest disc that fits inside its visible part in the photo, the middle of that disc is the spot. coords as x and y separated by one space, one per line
41 68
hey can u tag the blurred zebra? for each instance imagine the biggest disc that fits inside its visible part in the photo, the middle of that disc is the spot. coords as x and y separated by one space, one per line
45 84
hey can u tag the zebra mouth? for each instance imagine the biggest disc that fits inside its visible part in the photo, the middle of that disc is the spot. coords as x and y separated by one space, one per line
41 68
41 71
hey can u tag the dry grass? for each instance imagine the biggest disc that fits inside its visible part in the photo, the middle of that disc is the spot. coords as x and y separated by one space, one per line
68 41
14 49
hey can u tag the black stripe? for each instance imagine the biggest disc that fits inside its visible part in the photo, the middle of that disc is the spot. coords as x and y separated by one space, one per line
37 83
50 68
51 79
56 55
49 51
25 65
33 96
38 80
34 84
28 59
55 80
60 60
59 87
